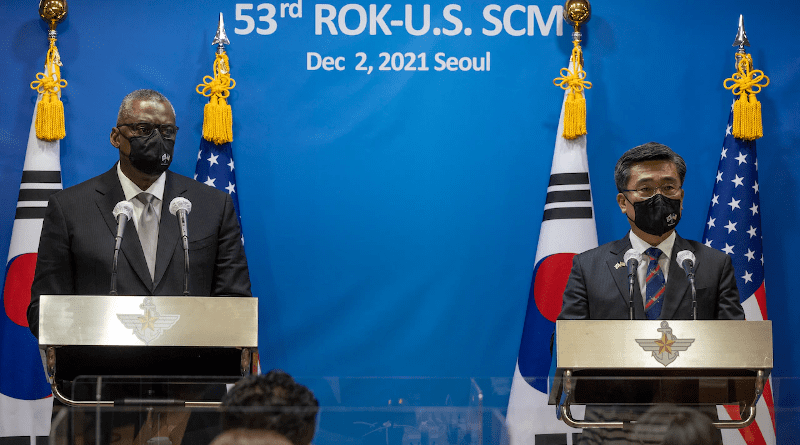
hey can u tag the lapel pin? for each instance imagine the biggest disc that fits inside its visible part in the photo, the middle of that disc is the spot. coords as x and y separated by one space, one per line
618 265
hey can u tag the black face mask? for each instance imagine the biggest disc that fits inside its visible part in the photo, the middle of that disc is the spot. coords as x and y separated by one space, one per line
151 154
657 215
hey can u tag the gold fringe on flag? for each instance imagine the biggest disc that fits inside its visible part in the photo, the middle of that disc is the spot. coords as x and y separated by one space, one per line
746 83
572 79
50 111
217 116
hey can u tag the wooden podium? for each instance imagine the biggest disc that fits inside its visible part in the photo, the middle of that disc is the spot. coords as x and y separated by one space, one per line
147 336
616 362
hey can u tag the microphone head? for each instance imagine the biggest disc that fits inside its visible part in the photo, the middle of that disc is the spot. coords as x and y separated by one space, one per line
180 203
684 255
123 208
632 254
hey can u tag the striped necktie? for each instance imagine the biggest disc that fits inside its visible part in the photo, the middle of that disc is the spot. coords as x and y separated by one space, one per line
654 285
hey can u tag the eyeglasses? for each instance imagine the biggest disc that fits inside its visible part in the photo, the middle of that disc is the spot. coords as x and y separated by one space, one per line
647 191
146 129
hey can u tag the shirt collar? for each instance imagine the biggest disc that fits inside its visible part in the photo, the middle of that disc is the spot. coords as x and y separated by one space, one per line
665 246
131 189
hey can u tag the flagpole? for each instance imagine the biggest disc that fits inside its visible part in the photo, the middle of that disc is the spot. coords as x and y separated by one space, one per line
568 228
734 227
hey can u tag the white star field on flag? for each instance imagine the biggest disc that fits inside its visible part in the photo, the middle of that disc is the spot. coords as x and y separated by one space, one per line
737 186
215 169
212 173
737 189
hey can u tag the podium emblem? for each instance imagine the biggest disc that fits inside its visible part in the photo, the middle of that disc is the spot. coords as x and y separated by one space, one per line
150 325
665 349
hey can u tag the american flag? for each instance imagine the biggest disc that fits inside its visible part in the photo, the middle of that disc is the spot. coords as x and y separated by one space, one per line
215 167
734 227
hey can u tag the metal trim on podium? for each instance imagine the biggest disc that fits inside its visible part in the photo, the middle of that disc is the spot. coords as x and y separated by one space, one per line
643 362
147 335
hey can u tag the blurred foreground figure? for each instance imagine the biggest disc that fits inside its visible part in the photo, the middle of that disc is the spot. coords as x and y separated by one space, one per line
250 437
676 425
272 402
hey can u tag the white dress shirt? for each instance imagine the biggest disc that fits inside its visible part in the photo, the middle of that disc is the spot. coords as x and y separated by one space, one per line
131 190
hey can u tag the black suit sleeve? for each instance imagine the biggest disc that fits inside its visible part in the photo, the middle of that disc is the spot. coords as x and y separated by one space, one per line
231 276
54 269
575 304
728 305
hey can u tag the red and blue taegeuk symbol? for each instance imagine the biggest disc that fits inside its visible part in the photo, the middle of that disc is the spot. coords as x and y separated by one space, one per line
21 371
544 304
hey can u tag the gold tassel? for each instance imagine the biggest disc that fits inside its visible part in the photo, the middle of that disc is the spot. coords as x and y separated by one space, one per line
575 105
50 111
574 116
746 83
217 115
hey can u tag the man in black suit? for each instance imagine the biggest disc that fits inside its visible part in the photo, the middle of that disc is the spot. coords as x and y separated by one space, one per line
77 241
78 235
649 179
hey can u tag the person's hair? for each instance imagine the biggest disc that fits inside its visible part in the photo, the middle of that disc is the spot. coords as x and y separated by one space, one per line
273 402
250 437
676 425
126 107
651 151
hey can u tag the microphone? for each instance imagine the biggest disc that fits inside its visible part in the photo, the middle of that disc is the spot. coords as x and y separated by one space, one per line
632 261
688 261
122 212
181 208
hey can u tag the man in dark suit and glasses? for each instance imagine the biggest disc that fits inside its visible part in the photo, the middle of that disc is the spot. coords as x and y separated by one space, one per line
77 241
649 179
78 234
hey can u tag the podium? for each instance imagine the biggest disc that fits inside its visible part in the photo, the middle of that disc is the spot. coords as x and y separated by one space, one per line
160 336
616 362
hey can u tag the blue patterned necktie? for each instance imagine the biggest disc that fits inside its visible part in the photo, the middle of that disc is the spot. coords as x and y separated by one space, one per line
654 285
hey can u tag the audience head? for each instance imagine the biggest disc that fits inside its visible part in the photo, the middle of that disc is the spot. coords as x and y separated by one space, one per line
676 425
272 402
250 437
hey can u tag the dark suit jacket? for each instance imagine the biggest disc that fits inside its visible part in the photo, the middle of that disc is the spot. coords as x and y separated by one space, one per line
598 290
77 245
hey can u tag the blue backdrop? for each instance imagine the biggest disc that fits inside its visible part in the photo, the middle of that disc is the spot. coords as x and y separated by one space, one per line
391 216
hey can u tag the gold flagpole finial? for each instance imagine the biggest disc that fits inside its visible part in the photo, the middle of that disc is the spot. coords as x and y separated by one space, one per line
53 12
50 110
576 13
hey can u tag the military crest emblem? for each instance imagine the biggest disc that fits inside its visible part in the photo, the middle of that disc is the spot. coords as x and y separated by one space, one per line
665 349
150 325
